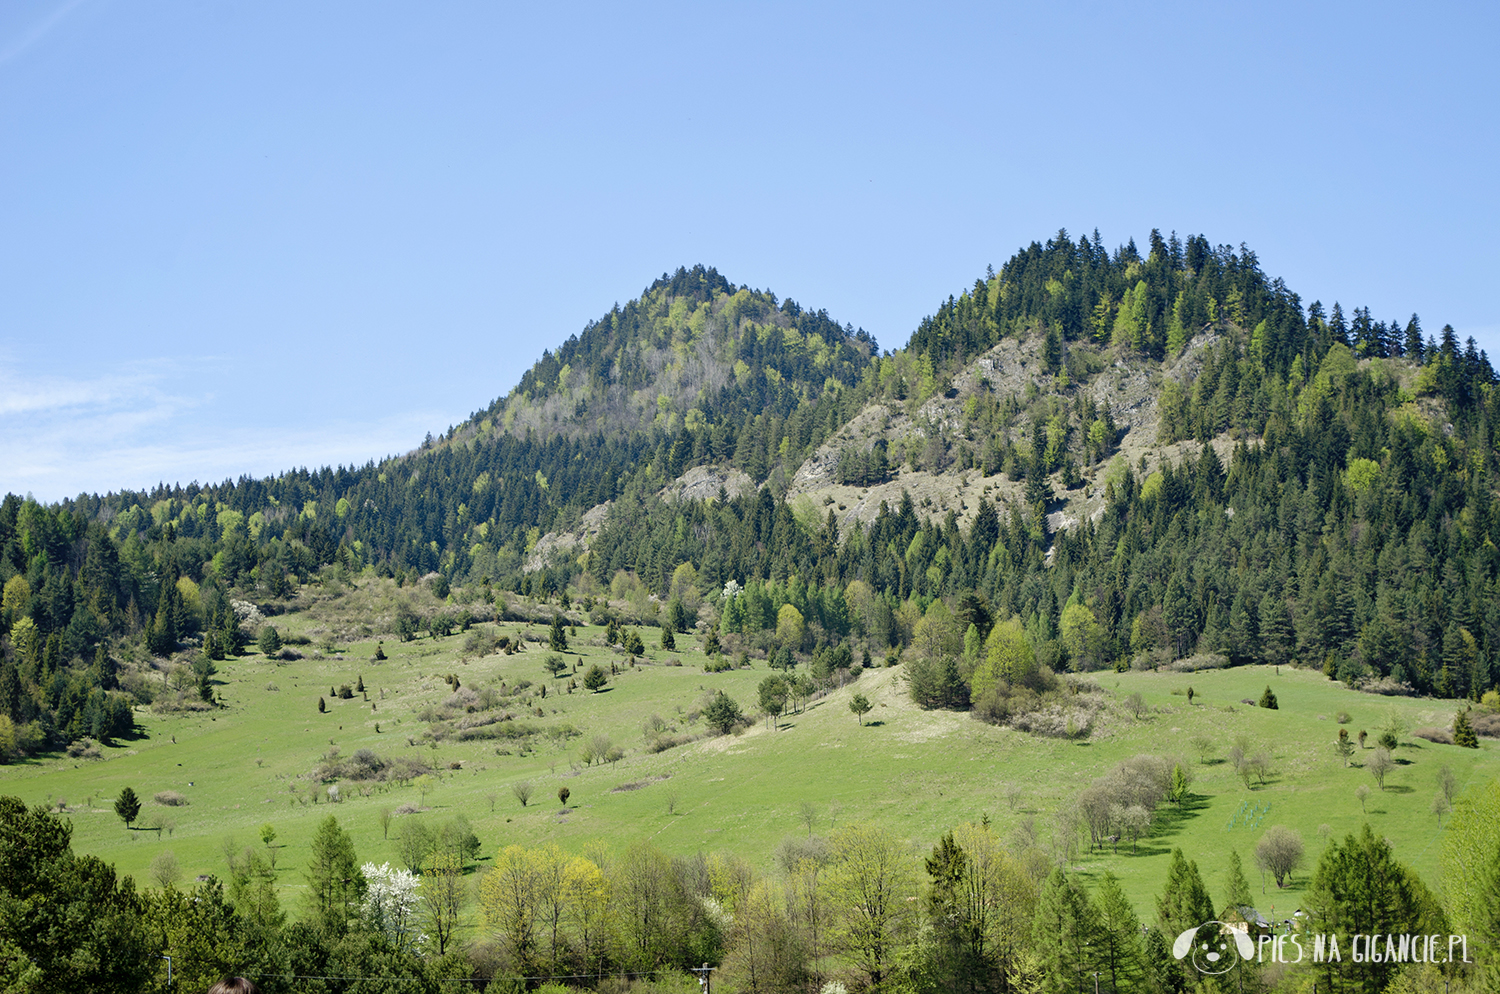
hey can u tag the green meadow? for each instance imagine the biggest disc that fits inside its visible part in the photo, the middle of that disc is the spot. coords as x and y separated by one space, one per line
917 773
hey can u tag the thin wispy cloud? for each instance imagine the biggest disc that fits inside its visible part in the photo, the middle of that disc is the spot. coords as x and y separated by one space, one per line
23 393
36 32
127 430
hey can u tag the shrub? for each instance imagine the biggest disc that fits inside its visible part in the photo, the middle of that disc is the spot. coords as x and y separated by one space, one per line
84 748
1439 735
170 798
1343 718
664 741
723 713
1487 725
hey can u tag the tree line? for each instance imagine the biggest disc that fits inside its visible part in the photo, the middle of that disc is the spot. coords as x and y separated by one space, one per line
1351 526
974 912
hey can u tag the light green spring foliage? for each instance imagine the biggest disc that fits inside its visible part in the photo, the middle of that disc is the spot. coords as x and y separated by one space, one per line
1008 656
1471 858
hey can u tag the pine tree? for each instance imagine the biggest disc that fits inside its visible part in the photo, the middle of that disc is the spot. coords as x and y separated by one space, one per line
1268 699
557 640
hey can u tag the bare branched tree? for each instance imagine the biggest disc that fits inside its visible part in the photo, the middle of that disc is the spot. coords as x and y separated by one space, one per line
1279 852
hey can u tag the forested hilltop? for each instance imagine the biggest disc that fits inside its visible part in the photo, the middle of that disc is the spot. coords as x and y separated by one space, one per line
1169 454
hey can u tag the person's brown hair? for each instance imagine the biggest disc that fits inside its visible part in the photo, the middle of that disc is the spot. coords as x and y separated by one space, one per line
233 985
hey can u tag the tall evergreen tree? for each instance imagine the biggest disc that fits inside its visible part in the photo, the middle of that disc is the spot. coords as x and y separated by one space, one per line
1065 933
335 885
1121 960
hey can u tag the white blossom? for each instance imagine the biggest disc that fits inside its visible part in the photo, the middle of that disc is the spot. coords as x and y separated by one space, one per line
391 902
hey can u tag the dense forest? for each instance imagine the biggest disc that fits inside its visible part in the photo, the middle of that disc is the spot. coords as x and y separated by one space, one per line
1353 525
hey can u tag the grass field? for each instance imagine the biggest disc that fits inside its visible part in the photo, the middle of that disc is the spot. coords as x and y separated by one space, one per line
916 773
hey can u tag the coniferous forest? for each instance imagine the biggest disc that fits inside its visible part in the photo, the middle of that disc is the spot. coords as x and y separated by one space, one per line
1313 488
1353 527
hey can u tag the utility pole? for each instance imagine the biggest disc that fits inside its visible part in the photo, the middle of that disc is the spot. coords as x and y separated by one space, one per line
703 977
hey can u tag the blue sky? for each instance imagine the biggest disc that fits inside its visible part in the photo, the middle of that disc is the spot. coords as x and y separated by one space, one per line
243 237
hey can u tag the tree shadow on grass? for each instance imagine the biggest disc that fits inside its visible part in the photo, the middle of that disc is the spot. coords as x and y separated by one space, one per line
1399 788
874 724
1169 823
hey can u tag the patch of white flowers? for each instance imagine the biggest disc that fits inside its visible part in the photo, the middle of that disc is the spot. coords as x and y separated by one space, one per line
391 902
718 914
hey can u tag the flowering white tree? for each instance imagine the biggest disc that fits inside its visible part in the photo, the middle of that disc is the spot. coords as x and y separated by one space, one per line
391 902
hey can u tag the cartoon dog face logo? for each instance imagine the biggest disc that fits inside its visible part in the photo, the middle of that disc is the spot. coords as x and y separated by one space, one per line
1211 953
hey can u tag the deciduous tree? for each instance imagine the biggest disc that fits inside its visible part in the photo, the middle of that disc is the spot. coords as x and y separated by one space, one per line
1278 853
870 882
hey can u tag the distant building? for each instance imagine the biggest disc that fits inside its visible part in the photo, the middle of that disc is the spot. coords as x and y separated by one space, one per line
1243 918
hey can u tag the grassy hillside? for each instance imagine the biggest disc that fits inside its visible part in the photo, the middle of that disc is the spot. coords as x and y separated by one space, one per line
915 772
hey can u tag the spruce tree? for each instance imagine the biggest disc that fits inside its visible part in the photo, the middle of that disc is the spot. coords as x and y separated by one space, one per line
1237 888
127 806
1184 901
1463 732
